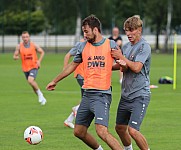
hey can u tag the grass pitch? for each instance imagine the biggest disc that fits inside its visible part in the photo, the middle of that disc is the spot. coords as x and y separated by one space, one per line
19 107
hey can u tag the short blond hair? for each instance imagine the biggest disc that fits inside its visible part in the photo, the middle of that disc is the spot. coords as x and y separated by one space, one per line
133 23
25 32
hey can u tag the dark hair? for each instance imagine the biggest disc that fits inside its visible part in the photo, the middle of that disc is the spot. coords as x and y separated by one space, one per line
93 22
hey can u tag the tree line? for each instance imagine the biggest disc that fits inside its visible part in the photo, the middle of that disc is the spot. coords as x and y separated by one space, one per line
59 16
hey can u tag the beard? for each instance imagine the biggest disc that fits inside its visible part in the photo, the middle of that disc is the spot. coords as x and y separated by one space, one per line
92 40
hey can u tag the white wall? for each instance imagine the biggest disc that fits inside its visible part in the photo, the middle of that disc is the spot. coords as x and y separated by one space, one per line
69 40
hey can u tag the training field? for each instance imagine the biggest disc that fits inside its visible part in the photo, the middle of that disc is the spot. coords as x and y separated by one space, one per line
19 107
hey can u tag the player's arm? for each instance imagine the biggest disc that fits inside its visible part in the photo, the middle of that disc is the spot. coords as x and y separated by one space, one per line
66 59
119 43
71 53
115 66
120 64
134 66
41 52
16 53
67 71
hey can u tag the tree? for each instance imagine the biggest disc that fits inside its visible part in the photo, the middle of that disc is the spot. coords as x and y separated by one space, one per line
16 23
61 16
176 18
127 8
16 18
65 22
156 13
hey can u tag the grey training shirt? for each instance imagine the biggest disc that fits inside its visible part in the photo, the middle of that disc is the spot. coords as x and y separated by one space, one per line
74 49
137 84
73 52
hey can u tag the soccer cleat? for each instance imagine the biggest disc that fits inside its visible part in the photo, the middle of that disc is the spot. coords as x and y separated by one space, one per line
69 124
42 100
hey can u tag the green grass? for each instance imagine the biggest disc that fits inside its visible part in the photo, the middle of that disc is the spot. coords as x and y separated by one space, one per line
19 107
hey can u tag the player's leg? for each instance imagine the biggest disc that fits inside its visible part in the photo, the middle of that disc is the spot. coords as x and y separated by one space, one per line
122 120
69 121
110 140
33 84
31 80
100 105
75 109
83 120
139 139
122 131
139 111
80 131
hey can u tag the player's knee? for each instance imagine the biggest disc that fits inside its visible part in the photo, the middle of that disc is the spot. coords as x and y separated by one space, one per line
133 132
102 134
101 131
30 81
120 129
79 134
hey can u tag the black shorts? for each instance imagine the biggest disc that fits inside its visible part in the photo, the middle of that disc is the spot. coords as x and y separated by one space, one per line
33 73
132 112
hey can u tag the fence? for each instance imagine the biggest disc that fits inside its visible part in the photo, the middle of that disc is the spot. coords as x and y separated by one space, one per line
52 43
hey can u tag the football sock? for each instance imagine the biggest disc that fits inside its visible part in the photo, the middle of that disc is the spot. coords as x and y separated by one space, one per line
77 107
39 93
120 81
128 147
71 117
99 148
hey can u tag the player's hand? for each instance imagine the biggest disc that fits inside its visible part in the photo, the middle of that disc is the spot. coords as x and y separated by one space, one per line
116 53
121 62
51 86
15 57
38 64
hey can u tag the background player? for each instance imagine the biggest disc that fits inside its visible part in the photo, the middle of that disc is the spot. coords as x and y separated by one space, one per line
30 62
118 39
135 95
78 74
